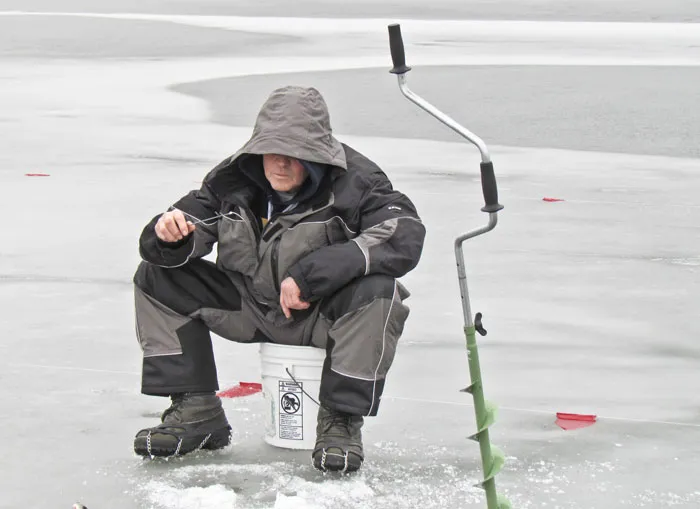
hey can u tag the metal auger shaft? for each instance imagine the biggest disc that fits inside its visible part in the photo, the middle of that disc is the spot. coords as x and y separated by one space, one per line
492 458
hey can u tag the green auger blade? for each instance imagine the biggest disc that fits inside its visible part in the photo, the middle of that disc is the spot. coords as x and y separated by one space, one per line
503 503
489 418
490 414
492 458
498 459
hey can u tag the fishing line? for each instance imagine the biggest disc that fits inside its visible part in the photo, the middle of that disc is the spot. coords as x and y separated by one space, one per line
209 221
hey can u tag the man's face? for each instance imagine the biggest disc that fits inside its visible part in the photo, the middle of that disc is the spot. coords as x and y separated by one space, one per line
285 174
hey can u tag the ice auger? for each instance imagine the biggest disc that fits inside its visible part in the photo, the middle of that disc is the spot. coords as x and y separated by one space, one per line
492 458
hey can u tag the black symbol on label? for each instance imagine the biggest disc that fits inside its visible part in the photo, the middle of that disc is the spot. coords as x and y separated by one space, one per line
290 403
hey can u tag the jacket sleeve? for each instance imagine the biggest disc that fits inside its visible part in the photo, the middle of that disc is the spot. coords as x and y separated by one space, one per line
390 242
199 204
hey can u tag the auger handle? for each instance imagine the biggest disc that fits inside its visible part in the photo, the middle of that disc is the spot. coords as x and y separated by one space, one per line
489 188
398 57
488 177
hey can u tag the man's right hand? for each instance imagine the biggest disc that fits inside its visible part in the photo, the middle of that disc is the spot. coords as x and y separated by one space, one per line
172 226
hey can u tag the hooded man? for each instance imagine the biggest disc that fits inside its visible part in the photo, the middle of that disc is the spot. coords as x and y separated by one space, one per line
311 238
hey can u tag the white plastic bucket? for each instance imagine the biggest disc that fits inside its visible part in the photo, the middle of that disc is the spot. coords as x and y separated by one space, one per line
290 420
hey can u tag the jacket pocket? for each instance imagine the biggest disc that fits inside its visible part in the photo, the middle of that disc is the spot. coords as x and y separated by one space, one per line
237 245
299 241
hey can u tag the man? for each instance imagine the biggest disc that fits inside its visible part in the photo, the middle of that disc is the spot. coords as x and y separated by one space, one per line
311 238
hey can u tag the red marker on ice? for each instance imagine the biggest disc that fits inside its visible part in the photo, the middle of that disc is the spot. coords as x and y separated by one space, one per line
574 421
242 389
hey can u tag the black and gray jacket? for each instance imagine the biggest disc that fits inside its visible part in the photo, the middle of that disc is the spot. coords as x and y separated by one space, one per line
354 223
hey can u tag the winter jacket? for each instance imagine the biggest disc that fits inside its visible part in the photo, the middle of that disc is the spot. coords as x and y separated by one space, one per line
353 223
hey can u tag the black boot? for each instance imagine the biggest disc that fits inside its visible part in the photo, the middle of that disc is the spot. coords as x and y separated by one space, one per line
338 441
193 421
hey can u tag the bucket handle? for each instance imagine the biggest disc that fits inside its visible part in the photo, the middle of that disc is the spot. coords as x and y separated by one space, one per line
289 372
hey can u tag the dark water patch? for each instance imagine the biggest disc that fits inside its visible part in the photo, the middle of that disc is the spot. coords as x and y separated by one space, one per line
675 351
637 110
99 38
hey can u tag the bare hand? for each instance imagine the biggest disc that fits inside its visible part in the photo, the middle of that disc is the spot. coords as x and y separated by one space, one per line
290 297
172 226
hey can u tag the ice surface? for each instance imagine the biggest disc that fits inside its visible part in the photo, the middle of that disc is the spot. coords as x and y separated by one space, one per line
556 10
590 303
442 42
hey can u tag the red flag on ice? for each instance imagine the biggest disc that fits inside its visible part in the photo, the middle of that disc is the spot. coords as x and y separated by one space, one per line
242 389
37 175
552 199
574 421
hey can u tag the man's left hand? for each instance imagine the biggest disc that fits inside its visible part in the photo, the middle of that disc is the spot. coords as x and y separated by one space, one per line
290 297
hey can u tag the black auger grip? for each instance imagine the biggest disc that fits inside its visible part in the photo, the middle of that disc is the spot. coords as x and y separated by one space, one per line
398 57
488 185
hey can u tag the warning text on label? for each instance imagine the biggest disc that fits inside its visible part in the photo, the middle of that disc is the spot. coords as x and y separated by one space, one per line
291 413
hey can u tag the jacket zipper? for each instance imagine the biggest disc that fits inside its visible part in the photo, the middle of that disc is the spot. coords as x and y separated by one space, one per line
253 223
273 260
274 255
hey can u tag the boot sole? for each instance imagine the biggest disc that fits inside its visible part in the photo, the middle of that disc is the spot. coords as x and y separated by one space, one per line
166 448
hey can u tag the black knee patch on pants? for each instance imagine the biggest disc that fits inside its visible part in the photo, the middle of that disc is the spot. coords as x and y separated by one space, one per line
350 395
194 369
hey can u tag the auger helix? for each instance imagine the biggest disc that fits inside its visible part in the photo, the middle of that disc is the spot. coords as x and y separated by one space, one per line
492 458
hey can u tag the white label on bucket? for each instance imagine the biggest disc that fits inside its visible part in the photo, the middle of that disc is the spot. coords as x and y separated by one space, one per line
291 420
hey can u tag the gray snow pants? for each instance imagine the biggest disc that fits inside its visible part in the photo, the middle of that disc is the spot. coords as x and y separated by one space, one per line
176 308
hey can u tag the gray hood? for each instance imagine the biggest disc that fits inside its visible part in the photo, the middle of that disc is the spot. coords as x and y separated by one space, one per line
294 121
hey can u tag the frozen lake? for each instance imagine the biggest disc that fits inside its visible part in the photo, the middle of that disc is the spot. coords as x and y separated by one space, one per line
590 303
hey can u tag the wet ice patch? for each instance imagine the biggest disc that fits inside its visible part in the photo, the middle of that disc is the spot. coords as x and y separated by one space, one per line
422 477
275 485
163 495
